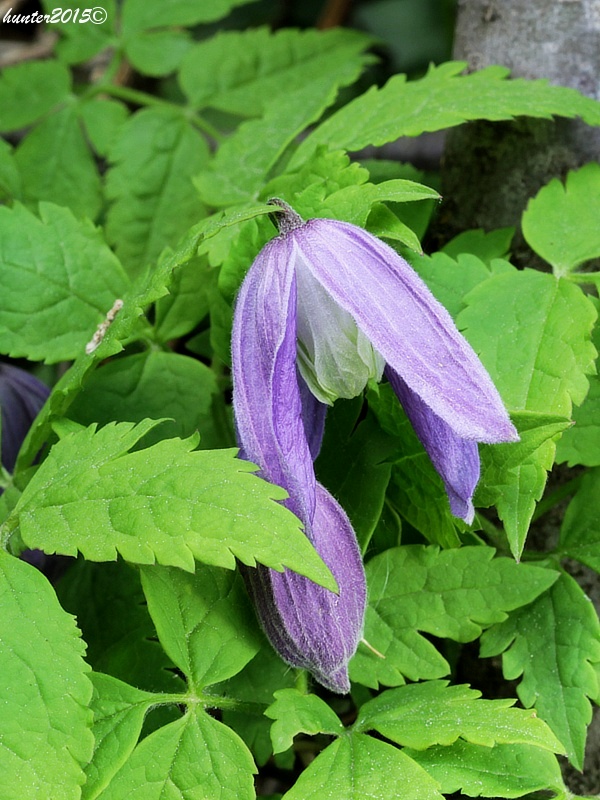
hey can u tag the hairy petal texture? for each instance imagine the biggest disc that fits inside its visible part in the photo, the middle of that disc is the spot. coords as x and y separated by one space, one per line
455 459
308 625
266 396
405 323
313 415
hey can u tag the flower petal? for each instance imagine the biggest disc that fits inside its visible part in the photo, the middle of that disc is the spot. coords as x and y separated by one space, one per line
455 459
313 415
266 396
308 625
405 323
21 398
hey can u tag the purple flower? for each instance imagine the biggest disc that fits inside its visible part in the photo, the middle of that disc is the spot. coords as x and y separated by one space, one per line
325 307
21 398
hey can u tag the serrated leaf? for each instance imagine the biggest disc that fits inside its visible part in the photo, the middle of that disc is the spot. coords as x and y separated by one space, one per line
241 165
501 771
243 72
58 280
484 245
203 621
442 99
196 756
153 384
415 489
150 185
532 331
295 713
422 715
580 531
560 222
119 710
45 736
553 644
358 767
451 594
111 611
30 90
449 279
364 449
57 166
167 503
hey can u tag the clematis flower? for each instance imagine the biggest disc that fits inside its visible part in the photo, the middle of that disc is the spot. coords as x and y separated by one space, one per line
21 397
325 307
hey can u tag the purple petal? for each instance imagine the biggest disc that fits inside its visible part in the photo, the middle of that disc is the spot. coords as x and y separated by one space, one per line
21 398
308 625
405 323
266 396
455 459
313 416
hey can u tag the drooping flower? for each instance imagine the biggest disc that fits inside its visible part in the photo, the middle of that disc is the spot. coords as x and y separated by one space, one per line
325 307
21 397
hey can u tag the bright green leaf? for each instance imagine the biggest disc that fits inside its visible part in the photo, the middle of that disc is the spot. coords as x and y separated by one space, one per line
30 90
449 279
442 99
81 41
119 712
243 72
451 594
501 771
203 621
484 245
560 222
146 14
58 281
167 503
580 532
295 713
103 119
10 178
422 715
553 644
195 756
45 736
358 767
150 185
57 166
158 53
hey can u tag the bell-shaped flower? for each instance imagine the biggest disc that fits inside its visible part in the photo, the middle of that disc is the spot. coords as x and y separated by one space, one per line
21 397
325 307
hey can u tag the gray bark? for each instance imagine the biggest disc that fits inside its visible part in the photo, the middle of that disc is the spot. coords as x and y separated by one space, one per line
491 170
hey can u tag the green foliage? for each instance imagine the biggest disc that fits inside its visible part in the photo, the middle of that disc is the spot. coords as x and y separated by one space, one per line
175 109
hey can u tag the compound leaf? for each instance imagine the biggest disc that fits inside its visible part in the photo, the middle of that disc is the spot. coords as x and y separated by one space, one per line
295 712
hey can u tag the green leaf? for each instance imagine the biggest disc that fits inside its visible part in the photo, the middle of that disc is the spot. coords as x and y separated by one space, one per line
187 303
119 712
559 223
363 448
451 594
195 756
553 644
485 245
57 166
242 164
244 72
532 331
415 490
103 119
203 621
146 14
167 503
82 41
157 53
580 531
422 715
10 178
450 279
358 767
58 281
501 771
150 186
153 384
442 99
295 713
45 736
111 611
30 90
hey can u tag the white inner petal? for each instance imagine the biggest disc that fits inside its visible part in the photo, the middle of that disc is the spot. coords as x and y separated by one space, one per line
334 357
